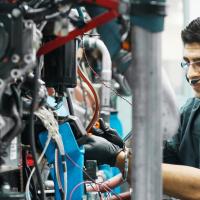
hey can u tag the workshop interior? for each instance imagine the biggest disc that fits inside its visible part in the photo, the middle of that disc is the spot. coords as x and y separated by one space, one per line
72 69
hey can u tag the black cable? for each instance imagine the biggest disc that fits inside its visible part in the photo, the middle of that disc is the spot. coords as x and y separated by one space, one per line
69 102
32 132
17 128
16 93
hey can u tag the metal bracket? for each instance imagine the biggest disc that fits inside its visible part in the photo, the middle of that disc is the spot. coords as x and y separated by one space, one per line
111 5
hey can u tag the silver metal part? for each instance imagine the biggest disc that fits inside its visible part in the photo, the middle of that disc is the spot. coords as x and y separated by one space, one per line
32 41
2 122
28 24
2 83
106 74
28 58
12 160
146 89
15 58
16 12
15 73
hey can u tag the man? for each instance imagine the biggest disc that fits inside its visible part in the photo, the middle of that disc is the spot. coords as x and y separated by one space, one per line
106 147
184 146
181 176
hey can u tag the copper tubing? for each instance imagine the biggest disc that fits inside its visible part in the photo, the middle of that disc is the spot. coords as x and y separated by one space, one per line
96 112
125 196
105 186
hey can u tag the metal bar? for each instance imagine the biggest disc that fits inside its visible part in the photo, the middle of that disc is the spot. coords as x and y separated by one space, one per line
146 88
106 75
59 41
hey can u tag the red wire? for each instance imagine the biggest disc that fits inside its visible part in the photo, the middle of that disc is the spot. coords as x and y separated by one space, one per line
97 189
125 195
102 82
110 183
96 112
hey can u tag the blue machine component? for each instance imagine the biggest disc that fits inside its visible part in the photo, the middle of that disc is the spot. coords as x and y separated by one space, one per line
61 109
112 171
74 174
115 123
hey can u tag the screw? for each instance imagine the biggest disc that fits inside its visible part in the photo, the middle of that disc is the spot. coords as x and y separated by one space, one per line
15 58
15 73
28 58
28 24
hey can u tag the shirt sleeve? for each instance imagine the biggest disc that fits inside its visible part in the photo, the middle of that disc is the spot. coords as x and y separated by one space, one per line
171 148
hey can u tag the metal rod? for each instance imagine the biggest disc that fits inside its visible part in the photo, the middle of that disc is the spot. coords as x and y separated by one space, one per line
106 75
146 88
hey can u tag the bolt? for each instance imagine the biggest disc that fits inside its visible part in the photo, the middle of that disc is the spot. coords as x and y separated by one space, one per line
28 58
28 24
15 73
16 12
15 58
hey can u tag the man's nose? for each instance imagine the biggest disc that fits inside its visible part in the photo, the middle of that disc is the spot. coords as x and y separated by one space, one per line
193 71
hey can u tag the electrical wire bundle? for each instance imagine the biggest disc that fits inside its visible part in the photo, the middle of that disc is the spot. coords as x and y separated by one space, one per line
41 13
50 123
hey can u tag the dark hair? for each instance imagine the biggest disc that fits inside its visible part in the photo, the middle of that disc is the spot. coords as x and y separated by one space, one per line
192 32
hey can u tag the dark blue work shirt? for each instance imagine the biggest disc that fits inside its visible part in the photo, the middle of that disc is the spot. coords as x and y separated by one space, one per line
184 148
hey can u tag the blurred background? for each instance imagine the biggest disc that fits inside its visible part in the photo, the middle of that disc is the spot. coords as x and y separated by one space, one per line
179 14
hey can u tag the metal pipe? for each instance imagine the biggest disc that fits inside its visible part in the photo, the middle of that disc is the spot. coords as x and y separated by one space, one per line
124 195
106 74
146 88
108 184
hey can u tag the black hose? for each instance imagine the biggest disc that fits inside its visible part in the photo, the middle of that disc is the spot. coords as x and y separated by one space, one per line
69 102
32 132
16 92
17 128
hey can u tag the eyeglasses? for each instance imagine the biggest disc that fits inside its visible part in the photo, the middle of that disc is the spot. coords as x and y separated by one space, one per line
185 65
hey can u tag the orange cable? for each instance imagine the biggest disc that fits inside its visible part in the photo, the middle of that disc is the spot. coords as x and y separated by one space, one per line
96 112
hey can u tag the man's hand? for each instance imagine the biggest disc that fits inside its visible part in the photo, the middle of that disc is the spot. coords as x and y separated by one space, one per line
108 133
100 149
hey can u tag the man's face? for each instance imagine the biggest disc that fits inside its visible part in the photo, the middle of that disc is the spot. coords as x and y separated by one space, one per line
192 54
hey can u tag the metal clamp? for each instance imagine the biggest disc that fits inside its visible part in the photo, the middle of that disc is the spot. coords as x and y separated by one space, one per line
150 8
